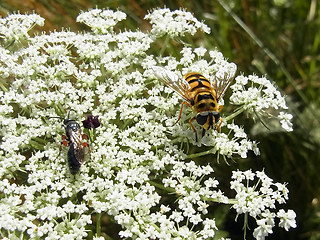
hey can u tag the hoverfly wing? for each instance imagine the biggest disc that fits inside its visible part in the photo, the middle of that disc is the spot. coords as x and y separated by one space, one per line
172 80
221 85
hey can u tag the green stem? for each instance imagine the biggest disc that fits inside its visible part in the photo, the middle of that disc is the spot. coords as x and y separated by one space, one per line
164 45
160 186
217 200
2 86
233 115
245 225
260 119
125 124
195 155
98 225
91 135
9 45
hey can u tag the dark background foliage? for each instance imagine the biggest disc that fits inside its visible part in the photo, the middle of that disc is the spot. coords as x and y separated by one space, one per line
279 39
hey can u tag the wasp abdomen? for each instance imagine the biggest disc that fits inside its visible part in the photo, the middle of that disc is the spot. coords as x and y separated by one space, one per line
74 164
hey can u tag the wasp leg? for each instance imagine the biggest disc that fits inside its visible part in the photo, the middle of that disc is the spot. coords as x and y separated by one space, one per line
220 108
85 136
183 103
85 144
64 140
195 131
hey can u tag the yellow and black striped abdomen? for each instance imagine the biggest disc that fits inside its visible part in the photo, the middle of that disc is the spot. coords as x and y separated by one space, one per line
202 92
197 81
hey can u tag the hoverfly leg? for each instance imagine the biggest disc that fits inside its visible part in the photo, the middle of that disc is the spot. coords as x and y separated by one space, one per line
218 128
220 108
195 131
203 132
181 108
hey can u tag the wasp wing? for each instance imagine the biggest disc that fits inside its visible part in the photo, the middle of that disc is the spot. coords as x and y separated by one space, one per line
78 148
172 80
81 154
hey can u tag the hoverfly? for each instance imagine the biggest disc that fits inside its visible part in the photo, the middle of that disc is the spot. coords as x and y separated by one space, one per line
78 148
200 94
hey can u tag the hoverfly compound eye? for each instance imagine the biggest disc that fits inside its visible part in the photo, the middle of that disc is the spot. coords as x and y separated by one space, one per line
202 118
216 116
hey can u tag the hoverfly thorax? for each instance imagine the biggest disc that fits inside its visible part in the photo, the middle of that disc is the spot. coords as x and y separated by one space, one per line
205 101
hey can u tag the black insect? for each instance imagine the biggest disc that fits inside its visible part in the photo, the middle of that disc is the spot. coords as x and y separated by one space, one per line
78 147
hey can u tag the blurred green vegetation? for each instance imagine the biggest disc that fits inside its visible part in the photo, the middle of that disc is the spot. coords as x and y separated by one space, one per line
276 38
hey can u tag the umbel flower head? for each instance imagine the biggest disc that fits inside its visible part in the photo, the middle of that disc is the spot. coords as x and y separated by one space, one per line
101 21
259 199
9 30
174 23
139 174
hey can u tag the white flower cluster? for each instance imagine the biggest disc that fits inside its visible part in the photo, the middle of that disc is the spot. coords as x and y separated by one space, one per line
258 95
9 30
101 21
188 214
257 200
136 174
174 23
235 142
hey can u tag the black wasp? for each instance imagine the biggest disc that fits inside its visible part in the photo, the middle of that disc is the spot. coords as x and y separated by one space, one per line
76 140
